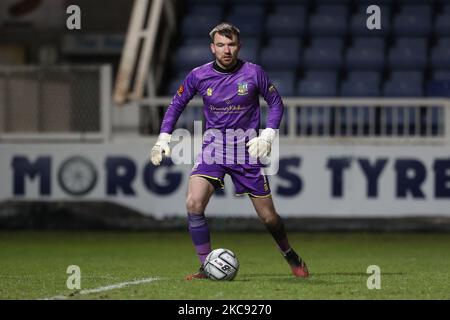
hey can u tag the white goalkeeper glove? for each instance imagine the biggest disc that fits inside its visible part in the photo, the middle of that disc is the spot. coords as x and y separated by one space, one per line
162 145
262 145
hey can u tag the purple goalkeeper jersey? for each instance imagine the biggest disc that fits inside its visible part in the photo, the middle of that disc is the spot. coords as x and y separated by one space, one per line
230 99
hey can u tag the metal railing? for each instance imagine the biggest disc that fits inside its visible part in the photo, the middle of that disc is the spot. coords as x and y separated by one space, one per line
55 103
345 120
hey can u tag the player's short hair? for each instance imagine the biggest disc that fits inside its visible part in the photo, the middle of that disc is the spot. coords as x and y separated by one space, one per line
224 29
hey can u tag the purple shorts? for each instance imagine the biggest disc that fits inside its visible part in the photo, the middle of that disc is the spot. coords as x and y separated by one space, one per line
246 180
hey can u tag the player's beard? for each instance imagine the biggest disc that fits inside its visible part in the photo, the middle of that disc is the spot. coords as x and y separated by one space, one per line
228 63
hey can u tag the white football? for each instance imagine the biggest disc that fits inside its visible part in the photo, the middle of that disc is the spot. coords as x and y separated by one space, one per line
221 264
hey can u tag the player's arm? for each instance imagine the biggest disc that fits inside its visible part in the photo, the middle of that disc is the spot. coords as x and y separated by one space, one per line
261 146
184 94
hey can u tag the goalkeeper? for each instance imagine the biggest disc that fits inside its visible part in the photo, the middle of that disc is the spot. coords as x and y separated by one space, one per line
230 89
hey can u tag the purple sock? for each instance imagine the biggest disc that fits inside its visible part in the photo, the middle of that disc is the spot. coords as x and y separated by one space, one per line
199 231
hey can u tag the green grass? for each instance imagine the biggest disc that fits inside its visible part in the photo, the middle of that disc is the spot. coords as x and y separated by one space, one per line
413 266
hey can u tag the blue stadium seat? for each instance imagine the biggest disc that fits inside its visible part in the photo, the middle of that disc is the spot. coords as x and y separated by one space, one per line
371 76
198 25
413 21
377 43
288 43
250 54
424 9
284 81
257 10
299 10
333 43
275 57
441 75
248 24
213 10
285 24
408 54
323 54
407 75
197 41
250 42
360 88
318 84
442 25
361 84
328 24
440 56
188 57
338 10
404 84
365 57
282 53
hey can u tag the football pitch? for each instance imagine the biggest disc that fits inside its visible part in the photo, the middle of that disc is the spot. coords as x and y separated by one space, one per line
152 265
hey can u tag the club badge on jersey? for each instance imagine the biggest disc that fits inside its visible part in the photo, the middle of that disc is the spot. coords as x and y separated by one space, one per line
242 89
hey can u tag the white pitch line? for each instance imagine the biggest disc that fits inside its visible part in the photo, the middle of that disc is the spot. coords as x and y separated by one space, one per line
106 288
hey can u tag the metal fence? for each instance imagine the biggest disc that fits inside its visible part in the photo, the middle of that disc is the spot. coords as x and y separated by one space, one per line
54 103
342 120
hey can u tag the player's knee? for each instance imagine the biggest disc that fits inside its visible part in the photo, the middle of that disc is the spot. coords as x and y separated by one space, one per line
194 204
270 219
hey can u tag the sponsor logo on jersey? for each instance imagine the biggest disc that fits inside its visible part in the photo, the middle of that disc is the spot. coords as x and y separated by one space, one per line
209 92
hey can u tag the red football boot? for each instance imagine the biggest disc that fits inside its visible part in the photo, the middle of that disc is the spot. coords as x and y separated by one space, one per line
298 266
200 274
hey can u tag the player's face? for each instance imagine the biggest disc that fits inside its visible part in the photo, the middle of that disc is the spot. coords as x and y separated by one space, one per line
225 50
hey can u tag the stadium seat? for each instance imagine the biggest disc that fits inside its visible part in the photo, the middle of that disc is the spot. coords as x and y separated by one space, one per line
408 54
212 10
362 84
282 53
328 24
324 53
442 25
365 56
198 25
251 42
188 57
284 81
339 10
404 84
256 10
318 84
299 10
285 24
250 54
248 24
440 57
275 57
361 87
413 21
288 43
441 75
372 43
